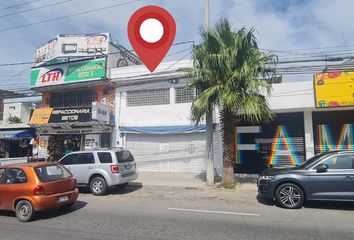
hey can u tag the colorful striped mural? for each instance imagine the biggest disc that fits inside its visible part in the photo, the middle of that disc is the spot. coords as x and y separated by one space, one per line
282 146
326 141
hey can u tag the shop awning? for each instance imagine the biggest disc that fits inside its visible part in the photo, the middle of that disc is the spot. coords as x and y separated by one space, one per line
163 129
16 134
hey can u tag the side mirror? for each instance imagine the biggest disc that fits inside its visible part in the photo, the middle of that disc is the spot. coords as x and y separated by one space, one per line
322 168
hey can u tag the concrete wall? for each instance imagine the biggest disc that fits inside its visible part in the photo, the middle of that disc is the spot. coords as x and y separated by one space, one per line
152 115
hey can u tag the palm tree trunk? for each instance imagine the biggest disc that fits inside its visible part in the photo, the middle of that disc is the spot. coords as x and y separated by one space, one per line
209 147
227 121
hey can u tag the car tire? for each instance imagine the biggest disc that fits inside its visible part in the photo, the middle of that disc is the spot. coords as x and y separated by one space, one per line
289 195
98 186
24 211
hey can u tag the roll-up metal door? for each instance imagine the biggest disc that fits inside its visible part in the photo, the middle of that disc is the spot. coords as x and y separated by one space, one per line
279 143
168 153
333 130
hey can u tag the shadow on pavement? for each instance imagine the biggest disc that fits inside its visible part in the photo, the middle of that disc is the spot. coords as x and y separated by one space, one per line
59 212
201 176
330 205
315 204
265 201
48 214
131 187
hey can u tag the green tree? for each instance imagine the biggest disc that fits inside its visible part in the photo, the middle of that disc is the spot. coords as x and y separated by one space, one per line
231 72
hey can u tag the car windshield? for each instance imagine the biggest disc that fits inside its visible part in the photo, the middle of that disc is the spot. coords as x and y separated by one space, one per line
309 162
51 173
124 156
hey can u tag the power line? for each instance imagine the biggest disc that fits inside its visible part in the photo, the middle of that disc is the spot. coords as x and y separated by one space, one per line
36 8
126 51
17 5
68 16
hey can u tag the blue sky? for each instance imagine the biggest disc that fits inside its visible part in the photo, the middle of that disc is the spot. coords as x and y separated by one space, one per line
313 25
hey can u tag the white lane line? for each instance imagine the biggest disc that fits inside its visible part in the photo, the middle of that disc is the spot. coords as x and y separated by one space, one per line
217 212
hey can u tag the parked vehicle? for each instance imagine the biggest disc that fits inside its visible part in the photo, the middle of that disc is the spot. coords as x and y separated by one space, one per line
101 169
326 176
32 187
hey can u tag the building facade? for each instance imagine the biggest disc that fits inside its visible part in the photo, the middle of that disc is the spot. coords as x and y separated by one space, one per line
154 121
72 75
15 133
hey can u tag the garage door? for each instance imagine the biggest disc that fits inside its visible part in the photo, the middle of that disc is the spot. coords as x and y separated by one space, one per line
168 153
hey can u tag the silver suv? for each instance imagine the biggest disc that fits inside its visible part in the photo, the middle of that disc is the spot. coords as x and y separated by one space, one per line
101 169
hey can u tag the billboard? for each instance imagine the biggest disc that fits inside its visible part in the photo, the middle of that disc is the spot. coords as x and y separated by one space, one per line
78 71
73 45
334 89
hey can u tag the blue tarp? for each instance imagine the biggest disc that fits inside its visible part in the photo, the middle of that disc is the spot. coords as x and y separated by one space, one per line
16 134
163 129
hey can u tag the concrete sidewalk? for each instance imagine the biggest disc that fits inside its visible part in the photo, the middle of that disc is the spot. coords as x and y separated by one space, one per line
186 180
190 180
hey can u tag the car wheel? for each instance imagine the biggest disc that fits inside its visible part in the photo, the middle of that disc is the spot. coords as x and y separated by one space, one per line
98 186
24 211
289 195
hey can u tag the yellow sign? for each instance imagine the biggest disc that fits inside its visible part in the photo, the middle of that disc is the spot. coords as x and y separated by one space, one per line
334 89
41 115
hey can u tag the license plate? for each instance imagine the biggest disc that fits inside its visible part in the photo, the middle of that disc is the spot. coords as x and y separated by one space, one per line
63 198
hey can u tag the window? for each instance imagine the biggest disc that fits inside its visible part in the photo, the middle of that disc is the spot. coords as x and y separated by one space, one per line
70 159
72 98
184 95
340 162
86 158
57 100
85 97
105 157
148 97
124 156
2 175
51 173
105 140
14 176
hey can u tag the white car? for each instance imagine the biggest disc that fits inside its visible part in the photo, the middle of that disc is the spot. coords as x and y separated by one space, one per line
101 169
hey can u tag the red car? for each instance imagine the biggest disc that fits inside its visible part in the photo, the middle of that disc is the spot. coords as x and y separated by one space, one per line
33 187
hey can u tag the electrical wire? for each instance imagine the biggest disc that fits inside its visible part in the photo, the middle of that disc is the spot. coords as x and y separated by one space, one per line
18 5
36 8
126 51
70 15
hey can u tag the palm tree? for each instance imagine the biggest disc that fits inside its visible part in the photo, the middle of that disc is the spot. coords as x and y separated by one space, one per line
230 72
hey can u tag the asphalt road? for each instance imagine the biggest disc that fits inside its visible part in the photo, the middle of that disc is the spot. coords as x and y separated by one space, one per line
178 213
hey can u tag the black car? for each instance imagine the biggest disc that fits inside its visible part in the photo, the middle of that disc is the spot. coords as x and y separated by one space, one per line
327 176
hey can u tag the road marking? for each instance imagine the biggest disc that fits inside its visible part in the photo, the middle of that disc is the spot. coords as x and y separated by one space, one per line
217 212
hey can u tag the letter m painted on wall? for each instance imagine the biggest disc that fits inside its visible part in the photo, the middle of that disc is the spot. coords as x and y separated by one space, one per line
326 141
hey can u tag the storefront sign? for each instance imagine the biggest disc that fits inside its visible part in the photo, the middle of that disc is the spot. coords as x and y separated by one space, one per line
334 89
61 115
41 116
100 112
79 71
73 45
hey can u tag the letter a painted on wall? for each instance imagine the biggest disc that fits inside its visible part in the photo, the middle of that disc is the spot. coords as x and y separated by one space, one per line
282 148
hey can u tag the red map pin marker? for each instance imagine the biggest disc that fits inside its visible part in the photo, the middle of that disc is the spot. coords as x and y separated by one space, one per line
151 31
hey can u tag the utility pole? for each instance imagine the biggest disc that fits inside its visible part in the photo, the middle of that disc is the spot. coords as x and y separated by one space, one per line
209 120
206 15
